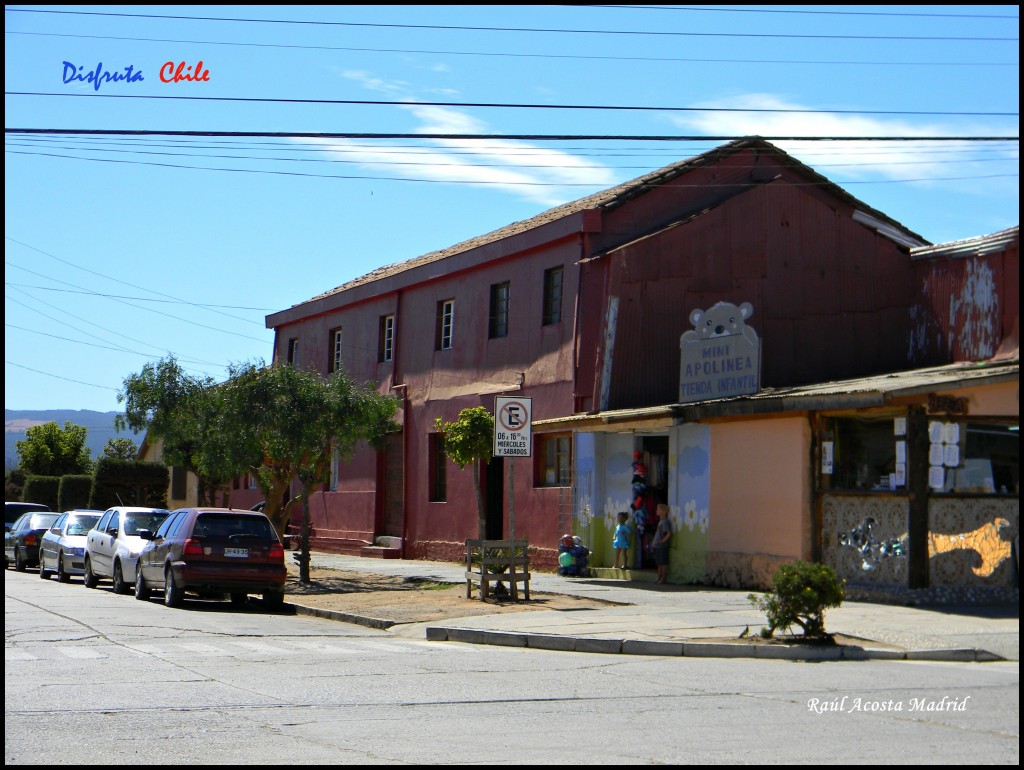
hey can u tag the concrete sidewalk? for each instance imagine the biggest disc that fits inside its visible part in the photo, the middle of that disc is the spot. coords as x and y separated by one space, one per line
699 621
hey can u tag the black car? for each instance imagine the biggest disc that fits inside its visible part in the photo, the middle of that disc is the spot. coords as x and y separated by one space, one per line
21 543
12 510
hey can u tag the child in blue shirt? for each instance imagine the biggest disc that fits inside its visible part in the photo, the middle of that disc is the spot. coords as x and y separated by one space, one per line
620 542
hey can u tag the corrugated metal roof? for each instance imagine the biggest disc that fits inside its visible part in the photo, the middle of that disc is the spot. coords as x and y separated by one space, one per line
611 198
857 393
970 247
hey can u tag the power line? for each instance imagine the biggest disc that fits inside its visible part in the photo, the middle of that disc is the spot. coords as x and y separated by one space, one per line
137 299
510 164
498 137
466 28
521 106
523 55
498 183
59 377
817 13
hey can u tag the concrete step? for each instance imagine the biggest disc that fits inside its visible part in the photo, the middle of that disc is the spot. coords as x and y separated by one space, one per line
636 575
380 552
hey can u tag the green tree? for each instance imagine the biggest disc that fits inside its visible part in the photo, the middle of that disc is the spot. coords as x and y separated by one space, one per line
120 448
287 423
184 413
49 450
802 592
469 441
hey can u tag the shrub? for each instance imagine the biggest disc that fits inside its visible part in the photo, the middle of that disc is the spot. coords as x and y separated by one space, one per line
803 591
42 489
73 492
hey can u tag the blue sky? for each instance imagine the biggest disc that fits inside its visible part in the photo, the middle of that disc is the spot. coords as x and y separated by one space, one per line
122 250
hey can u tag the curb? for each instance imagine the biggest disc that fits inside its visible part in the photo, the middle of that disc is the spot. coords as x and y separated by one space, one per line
673 649
700 649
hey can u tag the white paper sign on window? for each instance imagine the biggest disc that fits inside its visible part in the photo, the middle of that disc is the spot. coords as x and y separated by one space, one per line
826 457
936 477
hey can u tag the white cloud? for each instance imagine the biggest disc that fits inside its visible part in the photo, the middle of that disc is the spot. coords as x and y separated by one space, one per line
535 173
848 159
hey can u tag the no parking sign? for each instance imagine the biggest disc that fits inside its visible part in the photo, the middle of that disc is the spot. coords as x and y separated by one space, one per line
512 427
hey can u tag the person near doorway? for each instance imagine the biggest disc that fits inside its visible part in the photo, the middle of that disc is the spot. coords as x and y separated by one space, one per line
662 536
621 541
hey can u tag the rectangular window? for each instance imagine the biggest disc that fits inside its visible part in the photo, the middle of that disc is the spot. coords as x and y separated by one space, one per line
497 325
438 470
980 458
334 351
554 460
863 454
293 351
552 296
445 325
386 339
335 470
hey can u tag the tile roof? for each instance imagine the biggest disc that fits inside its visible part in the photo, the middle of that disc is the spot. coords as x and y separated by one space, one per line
610 198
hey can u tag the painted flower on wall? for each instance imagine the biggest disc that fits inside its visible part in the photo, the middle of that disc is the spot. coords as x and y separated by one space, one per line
611 512
702 520
690 514
675 518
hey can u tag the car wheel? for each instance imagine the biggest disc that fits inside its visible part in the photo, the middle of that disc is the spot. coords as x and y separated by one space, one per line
19 563
62 576
120 587
239 598
273 599
89 578
141 589
173 595
43 573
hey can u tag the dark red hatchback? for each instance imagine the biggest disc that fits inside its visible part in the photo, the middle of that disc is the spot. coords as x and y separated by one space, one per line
212 552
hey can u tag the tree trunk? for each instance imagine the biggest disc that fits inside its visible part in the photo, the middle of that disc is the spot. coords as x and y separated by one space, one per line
481 512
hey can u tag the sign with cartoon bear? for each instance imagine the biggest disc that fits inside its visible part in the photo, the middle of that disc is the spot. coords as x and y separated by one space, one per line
721 356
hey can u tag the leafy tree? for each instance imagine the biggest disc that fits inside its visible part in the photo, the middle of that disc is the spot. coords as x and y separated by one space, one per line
287 423
49 450
120 448
183 412
468 441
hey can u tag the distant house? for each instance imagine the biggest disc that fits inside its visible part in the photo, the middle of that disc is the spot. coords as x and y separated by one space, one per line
588 309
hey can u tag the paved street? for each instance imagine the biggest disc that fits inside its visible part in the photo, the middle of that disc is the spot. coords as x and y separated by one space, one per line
108 679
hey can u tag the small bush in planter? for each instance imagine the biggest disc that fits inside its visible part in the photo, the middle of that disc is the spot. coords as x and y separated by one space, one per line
803 591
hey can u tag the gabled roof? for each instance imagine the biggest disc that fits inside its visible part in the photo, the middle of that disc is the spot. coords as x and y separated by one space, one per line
620 194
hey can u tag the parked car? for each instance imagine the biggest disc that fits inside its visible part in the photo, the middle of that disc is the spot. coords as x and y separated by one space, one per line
112 547
21 542
13 510
212 552
62 549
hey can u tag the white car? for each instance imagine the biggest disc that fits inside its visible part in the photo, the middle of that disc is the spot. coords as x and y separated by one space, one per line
62 548
112 547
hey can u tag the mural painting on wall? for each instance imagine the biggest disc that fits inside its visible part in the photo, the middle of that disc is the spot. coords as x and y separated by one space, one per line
721 356
871 549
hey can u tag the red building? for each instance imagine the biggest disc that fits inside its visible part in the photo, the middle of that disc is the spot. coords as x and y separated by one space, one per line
582 308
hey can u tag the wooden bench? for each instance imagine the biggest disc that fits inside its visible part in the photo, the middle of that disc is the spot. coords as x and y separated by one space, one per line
497 561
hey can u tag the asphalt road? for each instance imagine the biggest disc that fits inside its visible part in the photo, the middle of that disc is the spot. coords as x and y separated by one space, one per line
91 677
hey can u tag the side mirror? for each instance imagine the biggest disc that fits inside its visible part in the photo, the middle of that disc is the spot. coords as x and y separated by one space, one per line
146 534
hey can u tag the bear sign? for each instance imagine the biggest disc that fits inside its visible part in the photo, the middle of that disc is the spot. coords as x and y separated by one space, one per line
721 356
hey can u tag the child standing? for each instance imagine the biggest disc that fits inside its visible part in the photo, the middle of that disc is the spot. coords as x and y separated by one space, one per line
621 541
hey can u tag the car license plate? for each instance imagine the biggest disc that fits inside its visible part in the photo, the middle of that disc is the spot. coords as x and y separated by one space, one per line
240 553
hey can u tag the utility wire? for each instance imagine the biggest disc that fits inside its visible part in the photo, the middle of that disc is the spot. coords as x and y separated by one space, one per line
519 137
523 55
500 105
467 28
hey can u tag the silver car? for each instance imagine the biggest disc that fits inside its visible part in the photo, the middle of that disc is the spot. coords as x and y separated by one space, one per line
112 547
62 547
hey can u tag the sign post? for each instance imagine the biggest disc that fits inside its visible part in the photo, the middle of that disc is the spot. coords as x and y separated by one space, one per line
513 437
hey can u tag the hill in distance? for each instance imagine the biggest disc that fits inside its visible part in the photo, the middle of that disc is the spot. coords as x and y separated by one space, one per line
100 426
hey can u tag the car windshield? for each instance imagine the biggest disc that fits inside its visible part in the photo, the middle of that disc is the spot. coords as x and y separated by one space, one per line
42 520
228 526
135 522
80 524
